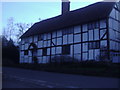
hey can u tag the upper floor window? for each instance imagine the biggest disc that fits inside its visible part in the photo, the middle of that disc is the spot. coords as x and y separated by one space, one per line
26 40
40 37
67 31
93 25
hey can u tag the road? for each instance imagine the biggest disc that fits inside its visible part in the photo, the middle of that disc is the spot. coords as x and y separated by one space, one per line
23 78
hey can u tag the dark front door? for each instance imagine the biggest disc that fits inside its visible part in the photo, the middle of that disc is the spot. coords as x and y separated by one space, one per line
34 56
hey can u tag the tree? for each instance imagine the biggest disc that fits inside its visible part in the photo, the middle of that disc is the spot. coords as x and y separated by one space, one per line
21 28
10 53
13 30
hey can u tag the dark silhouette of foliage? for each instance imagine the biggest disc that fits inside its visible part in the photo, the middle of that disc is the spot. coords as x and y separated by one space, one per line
10 52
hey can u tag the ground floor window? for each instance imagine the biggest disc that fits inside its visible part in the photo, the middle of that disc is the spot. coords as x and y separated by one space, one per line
66 49
94 45
44 53
26 52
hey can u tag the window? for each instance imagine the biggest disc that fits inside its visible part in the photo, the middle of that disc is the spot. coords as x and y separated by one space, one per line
77 48
96 25
103 24
77 29
70 30
64 32
66 49
40 37
93 25
44 53
94 45
58 50
77 38
90 26
84 28
54 34
26 40
85 36
26 52
59 41
67 31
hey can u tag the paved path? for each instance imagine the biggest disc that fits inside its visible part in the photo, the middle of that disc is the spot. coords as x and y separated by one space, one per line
23 78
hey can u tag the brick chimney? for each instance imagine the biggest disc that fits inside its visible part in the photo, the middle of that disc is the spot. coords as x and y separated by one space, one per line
65 6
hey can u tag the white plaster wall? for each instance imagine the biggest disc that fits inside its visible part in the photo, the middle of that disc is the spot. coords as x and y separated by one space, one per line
84 56
112 45
45 43
110 23
44 59
54 34
39 52
36 43
77 38
77 29
48 51
49 36
78 57
26 46
90 54
85 47
39 59
44 36
26 59
97 54
71 50
103 43
30 39
70 38
115 25
23 48
77 48
90 35
23 41
65 39
21 60
21 56
53 50
48 43
59 33
30 59
58 50
40 44
102 24
96 34
115 59
21 53
59 41
20 46
35 38
84 27
102 32
54 41
112 14
117 46
47 59
29 53
112 34
85 36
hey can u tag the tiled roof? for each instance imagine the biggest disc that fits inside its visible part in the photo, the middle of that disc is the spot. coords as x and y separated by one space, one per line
93 12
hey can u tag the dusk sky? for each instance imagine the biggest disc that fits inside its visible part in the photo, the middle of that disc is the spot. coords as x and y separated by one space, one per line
30 12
